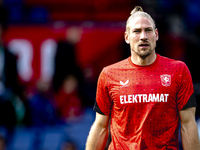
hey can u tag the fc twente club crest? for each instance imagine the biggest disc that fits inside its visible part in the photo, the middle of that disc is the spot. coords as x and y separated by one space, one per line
165 79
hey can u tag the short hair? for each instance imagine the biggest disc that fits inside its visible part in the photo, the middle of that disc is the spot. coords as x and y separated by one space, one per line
138 12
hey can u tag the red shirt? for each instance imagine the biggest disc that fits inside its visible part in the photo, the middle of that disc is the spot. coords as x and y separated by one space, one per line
143 102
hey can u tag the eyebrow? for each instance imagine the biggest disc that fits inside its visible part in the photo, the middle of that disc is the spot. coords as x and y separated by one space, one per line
141 28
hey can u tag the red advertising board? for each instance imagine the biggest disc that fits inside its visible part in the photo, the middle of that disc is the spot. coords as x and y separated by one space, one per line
35 47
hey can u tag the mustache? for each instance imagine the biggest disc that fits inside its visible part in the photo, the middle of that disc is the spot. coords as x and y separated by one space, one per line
144 43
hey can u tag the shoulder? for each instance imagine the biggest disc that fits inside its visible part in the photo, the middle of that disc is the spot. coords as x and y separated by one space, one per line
116 66
114 70
172 62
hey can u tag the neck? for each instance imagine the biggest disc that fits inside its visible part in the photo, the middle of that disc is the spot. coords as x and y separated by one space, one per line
138 60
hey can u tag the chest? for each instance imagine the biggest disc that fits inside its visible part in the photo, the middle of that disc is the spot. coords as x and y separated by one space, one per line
144 86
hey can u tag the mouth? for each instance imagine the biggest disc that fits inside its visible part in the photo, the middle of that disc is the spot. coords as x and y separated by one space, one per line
144 45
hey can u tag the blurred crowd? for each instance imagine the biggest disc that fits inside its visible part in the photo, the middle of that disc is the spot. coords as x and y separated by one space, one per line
64 104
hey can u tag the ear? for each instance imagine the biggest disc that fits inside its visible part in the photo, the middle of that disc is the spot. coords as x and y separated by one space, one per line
126 37
157 36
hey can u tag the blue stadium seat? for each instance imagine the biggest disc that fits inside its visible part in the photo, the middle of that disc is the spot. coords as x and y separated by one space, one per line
51 139
23 139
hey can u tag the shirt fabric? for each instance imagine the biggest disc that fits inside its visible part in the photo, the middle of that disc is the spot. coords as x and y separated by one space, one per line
143 102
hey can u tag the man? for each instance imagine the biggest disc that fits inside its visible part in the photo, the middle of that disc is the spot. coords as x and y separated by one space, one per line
144 96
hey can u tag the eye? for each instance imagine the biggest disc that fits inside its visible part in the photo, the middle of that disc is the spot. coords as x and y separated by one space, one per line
136 31
149 30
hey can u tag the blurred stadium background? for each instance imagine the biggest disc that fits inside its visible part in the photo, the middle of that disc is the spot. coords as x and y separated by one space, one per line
61 46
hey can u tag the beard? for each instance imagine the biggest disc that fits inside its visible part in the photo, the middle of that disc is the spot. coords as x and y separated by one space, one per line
144 53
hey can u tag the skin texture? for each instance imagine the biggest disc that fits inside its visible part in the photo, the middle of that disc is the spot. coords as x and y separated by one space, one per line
189 130
98 133
142 38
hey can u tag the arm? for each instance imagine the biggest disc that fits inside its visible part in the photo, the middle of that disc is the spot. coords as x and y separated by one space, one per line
189 131
98 133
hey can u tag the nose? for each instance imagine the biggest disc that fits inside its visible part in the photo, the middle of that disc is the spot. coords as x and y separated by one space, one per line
143 35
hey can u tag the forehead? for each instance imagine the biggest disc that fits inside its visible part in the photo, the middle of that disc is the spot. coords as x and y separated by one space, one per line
140 22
